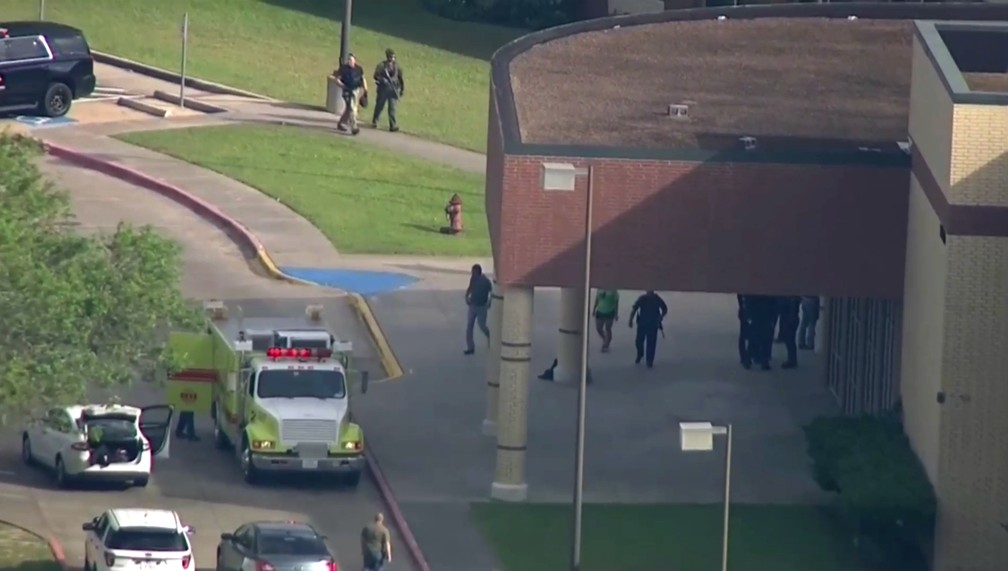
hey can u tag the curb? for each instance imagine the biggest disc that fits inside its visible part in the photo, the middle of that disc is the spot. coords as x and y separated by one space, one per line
235 229
193 104
57 549
165 75
393 370
240 233
142 107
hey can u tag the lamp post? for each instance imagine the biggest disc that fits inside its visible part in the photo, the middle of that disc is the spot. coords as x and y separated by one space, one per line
562 177
699 437
344 45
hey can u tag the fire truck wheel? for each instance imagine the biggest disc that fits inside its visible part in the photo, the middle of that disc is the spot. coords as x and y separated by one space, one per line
248 469
220 439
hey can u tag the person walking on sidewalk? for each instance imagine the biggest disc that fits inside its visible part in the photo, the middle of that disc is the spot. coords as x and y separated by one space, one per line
376 544
350 78
477 297
388 77
606 312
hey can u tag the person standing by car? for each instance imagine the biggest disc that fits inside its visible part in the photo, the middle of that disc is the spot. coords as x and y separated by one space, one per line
388 77
350 78
376 544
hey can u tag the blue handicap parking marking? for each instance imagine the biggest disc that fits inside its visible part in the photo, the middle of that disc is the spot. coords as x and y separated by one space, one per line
44 122
358 281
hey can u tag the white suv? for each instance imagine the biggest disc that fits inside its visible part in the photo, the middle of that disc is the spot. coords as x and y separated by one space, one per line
98 442
136 539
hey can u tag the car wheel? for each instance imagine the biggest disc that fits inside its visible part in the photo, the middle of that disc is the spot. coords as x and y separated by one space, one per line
62 478
352 479
26 451
220 439
141 482
57 100
248 469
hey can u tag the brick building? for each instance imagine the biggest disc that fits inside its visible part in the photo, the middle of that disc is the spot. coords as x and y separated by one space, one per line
783 150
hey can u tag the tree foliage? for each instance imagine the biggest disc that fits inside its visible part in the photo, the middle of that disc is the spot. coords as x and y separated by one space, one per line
76 311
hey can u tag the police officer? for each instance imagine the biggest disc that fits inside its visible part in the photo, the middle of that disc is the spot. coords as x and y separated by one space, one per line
762 313
744 344
788 309
649 311
388 77
185 429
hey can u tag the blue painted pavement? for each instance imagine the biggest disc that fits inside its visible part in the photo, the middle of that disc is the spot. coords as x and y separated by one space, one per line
357 281
44 122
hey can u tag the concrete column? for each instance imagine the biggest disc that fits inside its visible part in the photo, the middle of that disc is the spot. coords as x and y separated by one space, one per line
568 367
493 367
512 413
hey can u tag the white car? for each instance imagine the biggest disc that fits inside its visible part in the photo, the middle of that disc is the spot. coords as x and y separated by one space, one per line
98 442
137 539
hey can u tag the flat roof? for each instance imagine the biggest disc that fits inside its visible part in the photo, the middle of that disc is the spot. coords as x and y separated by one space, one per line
793 83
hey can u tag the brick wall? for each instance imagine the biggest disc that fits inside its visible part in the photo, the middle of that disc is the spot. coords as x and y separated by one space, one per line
972 482
930 116
717 227
979 171
494 178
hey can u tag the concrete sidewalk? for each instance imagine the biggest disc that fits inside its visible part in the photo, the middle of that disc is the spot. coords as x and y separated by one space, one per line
248 110
290 239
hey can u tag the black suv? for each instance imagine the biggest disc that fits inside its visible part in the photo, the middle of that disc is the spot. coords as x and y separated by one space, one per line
44 66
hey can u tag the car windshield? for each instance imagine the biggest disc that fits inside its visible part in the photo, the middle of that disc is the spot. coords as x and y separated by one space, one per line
301 383
112 428
147 539
291 544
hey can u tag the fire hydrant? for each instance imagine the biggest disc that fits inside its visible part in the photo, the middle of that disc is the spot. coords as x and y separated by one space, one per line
453 212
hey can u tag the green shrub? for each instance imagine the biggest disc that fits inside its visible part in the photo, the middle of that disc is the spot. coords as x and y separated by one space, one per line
883 492
528 14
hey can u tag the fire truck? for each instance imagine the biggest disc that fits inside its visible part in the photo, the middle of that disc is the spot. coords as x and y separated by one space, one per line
278 391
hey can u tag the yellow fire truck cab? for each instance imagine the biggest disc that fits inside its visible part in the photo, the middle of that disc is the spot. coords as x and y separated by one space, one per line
279 392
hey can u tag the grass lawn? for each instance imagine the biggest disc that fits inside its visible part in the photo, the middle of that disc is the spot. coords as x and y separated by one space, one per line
285 48
21 551
364 199
665 537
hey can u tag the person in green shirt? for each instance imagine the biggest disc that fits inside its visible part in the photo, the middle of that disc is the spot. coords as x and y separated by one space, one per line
606 312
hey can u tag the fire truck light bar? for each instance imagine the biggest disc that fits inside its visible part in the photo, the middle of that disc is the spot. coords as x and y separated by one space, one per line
297 353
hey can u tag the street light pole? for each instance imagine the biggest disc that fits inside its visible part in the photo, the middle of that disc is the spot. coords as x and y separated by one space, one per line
699 437
582 382
727 497
344 46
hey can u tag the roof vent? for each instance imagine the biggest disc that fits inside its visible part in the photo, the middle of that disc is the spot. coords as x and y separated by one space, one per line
678 111
869 149
851 18
722 18
905 146
748 143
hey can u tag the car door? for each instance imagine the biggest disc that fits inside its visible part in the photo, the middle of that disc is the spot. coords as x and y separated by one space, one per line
23 63
49 437
94 539
245 550
155 424
231 560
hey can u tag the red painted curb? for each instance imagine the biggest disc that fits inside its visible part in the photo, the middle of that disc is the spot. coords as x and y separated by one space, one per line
57 553
202 208
237 230
392 505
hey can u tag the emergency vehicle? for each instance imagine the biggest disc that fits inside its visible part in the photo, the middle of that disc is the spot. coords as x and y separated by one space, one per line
278 391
